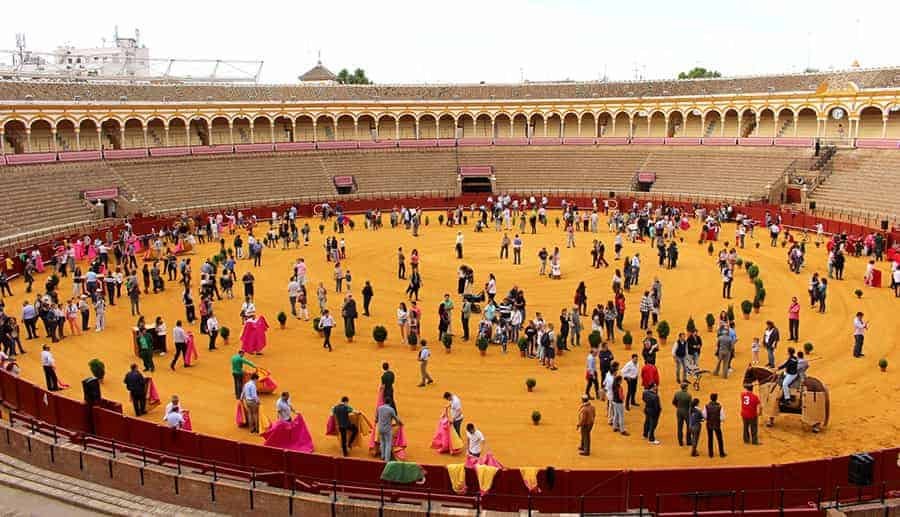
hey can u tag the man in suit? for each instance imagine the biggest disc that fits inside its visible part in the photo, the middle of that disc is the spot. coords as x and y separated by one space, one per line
137 389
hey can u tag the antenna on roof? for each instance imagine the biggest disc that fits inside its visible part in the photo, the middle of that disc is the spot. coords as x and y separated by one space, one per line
320 56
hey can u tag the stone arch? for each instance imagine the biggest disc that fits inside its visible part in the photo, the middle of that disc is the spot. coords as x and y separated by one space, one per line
111 134
346 127
640 123
604 124
219 131
284 128
766 124
65 135
587 126
749 122
484 126
406 125
571 125
657 124
807 122
156 132
537 125
88 135
502 126
731 123
305 131
621 124
387 127
676 124
519 127
177 132
446 126
325 128
41 136
262 129
892 125
241 129
134 134
837 127
366 127
871 122
553 125
714 123
198 133
784 122
693 123
15 137
465 125
428 126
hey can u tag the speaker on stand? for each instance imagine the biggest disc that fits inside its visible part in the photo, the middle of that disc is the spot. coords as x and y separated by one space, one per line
812 205
860 470
91 389
884 225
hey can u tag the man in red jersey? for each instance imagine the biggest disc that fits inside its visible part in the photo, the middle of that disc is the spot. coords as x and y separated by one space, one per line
750 411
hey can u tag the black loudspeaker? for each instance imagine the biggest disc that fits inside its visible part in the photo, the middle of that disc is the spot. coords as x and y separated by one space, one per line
861 469
812 205
91 388
884 225
612 194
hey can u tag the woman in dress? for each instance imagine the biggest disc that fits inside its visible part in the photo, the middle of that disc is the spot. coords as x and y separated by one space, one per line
403 321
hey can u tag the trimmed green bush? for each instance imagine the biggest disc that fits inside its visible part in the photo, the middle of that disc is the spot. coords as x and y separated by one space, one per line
379 334
536 417
691 326
663 329
627 338
98 369
710 321
530 383
746 307
595 338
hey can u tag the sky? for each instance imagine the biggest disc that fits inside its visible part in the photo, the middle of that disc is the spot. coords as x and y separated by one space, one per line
468 41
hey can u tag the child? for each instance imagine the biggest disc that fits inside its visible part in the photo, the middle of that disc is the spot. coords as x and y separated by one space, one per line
347 280
754 349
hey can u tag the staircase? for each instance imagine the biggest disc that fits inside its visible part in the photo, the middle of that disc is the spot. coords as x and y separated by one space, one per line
710 128
748 129
788 124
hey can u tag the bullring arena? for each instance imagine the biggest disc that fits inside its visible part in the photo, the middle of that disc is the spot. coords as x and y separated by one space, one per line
805 149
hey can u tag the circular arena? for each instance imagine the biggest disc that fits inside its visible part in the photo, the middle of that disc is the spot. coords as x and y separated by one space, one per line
753 197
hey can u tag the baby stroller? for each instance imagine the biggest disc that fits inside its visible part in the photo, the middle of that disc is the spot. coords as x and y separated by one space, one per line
475 299
694 373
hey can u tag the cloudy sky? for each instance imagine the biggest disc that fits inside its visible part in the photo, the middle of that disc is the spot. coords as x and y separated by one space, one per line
408 41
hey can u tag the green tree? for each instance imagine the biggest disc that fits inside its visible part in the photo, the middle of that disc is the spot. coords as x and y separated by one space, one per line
358 76
698 72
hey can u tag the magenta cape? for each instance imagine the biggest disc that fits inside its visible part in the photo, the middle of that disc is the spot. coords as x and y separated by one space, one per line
253 337
293 435
485 459
240 418
399 436
191 355
187 425
446 440
152 393
79 250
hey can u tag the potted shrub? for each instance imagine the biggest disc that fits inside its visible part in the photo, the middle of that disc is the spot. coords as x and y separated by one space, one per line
758 283
807 348
595 338
663 330
756 304
536 417
447 341
883 364
321 228
710 322
858 293
691 326
747 265
753 271
530 384
729 313
739 262
746 308
440 219
760 295
224 332
482 344
523 346
98 369
757 245
379 334
627 339
315 325
282 319
412 340
710 249
426 220
557 222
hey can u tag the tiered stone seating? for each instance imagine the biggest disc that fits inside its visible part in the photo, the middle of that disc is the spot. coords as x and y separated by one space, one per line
737 172
98 91
863 180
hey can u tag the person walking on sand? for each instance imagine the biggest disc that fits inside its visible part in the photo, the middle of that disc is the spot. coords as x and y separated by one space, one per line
424 356
586 416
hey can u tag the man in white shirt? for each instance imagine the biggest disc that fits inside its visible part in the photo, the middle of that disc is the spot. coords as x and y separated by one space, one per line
283 407
476 440
174 419
179 337
49 365
859 331
293 288
456 414
424 356
608 387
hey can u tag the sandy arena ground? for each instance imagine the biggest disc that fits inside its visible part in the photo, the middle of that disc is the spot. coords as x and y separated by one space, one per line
492 388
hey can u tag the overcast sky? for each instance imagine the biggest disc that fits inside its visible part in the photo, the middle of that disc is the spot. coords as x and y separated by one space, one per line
417 41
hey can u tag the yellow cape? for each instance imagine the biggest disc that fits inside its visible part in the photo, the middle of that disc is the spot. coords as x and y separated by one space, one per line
529 476
457 472
486 475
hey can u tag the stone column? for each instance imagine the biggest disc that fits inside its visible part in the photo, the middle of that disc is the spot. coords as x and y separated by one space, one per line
53 146
28 140
77 138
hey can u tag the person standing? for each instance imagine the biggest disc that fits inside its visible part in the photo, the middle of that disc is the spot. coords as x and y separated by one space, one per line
455 413
586 416
385 415
680 355
401 264
504 247
459 245
724 352
860 327
652 410
342 414
591 375
617 404
237 371
771 337
326 323
714 414
136 386
465 313
751 409
250 398
424 356
727 279
367 294
293 289
630 374
387 384
145 346
212 329
794 320
49 365
696 421
475 440
283 408
179 337
349 313
517 249
682 403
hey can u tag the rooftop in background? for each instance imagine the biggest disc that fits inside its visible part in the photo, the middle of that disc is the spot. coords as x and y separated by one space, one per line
63 90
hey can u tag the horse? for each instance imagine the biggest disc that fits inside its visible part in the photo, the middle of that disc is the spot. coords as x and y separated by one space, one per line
813 401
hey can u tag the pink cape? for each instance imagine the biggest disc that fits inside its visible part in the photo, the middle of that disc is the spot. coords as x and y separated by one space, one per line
79 250
265 383
399 446
486 459
293 435
186 415
39 264
239 417
92 253
134 241
443 441
190 355
331 426
59 382
253 337
178 247
152 393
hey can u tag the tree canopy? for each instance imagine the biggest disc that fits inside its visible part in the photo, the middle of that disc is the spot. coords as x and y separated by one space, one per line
698 72
358 76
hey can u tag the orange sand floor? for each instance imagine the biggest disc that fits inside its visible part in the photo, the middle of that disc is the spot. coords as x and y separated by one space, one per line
492 388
